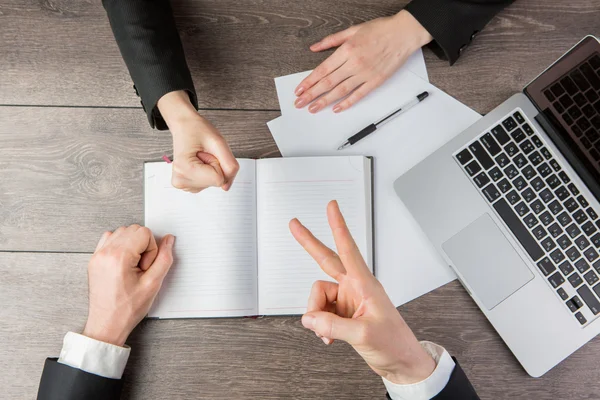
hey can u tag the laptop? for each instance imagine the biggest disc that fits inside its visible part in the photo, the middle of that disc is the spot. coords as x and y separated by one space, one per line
512 205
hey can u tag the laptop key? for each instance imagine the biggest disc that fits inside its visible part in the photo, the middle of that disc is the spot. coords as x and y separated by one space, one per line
539 232
538 184
564 242
591 278
564 177
577 131
567 118
591 76
464 156
566 268
548 244
481 155
526 147
546 195
513 197
502 160
537 207
511 171
591 95
553 181
518 135
569 85
565 101
528 195
555 207
546 218
580 216
591 254
472 168
582 266
582 201
557 256
518 229
588 111
571 205
544 170
500 135
495 174
546 266
592 213
589 228
509 123
573 231
580 318
537 141
528 129
563 295
528 172
577 301
519 117
481 180
504 185
555 230
556 280
490 144
589 299
491 193
596 240
582 242
519 183
562 193
575 280
511 149
573 189
521 209
572 253
580 81
557 90
530 220
520 160
564 218
549 95
553 163
559 108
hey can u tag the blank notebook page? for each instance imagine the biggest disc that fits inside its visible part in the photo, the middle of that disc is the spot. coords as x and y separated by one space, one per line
214 273
302 187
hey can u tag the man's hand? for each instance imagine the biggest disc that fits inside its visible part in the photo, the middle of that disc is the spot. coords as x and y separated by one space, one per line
201 156
357 309
125 275
368 54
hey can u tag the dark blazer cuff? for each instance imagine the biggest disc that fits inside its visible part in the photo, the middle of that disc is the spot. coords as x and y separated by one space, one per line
59 381
454 23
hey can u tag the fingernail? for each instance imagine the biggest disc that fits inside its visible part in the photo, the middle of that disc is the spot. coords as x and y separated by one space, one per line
308 321
299 91
337 109
300 102
314 107
170 241
327 341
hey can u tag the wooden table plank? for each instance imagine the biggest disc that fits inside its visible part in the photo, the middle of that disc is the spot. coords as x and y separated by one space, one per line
68 56
45 295
67 174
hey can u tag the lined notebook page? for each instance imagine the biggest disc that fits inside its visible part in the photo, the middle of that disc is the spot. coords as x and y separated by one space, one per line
214 273
301 188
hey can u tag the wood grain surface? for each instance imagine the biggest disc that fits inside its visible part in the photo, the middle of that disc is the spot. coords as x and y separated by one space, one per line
235 49
44 295
67 173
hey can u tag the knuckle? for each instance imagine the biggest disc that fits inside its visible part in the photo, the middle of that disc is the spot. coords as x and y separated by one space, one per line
349 46
178 182
327 82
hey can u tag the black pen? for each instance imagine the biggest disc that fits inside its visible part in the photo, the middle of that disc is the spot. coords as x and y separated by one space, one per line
373 127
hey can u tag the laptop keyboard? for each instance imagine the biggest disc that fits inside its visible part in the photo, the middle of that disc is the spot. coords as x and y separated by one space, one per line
576 98
518 175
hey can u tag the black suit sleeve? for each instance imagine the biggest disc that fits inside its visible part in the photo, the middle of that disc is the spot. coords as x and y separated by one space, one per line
454 23
458 387
147 36
61 382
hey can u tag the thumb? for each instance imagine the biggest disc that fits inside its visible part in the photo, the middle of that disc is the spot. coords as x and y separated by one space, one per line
333 326
163 261
335 40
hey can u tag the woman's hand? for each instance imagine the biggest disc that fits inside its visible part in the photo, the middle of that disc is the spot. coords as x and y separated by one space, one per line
368 54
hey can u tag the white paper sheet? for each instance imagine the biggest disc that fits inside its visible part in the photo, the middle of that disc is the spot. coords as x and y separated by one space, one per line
405 262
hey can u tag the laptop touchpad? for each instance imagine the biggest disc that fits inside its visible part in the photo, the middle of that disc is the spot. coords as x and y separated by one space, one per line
487 261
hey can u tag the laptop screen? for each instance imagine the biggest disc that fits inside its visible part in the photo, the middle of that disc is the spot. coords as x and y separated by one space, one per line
568 95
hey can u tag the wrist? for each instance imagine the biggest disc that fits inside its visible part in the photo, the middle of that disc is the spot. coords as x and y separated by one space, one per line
418 369
176 108
104 334
419 36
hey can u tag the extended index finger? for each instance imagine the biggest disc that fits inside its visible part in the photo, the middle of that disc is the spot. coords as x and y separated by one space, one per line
346 246
323 255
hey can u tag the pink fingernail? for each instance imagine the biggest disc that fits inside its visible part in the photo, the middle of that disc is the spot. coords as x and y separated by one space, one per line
314 107
299 91
308 321
300 102
327 341
337 109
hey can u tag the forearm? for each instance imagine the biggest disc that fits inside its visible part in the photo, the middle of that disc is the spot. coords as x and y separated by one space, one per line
454 23
147 37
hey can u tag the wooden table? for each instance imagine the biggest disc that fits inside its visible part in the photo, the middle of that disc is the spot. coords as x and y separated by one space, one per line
72 142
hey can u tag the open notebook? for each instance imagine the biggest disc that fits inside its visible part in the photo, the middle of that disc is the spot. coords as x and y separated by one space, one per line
234 254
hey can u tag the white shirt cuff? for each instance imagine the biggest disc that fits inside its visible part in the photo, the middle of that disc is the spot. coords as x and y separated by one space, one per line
430 387
94 356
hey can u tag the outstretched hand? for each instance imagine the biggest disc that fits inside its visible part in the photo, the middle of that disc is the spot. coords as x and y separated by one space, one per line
356 309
